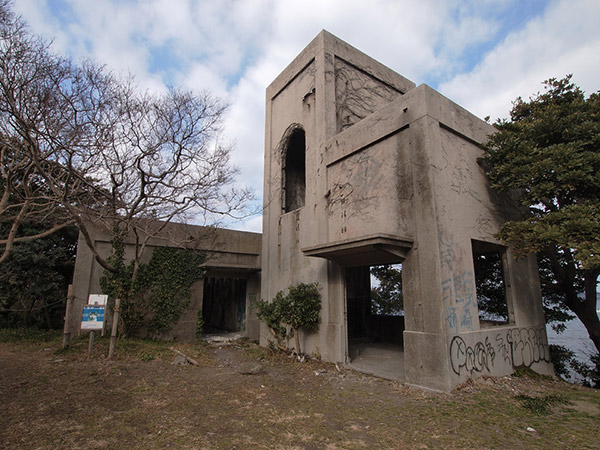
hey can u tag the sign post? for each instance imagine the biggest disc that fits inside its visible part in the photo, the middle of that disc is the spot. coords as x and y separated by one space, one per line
68 312
92 318
113 334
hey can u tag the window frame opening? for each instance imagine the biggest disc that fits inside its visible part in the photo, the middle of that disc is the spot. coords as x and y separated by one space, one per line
490 270
294 169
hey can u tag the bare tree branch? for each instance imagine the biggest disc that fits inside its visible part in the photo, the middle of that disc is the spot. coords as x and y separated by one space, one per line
78 145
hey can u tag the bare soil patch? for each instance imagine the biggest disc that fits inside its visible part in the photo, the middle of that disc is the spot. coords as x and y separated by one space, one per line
243 397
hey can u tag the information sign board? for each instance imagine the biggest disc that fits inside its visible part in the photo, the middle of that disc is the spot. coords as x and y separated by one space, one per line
92 318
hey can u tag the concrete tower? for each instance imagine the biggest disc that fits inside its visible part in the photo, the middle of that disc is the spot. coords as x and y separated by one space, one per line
362 168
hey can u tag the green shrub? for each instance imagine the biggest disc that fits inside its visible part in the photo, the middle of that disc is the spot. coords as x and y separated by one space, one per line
287 313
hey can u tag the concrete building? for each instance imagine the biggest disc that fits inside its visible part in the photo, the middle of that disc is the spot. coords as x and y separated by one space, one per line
223 297
362 168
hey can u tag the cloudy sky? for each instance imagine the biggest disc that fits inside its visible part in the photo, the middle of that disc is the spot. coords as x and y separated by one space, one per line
480 53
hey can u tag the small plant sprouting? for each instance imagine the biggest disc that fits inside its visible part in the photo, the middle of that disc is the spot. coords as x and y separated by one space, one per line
540 405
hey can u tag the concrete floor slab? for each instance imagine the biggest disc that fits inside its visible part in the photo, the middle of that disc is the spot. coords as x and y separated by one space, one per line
381 360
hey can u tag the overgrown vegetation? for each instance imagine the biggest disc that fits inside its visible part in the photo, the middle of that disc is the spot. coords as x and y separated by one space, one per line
287 313
153 300
34 278
540 405
548 156
22 334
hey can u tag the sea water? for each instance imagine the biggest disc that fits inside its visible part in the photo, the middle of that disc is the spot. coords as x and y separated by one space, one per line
575 338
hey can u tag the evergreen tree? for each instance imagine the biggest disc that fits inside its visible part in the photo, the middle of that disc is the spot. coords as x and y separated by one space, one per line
548 156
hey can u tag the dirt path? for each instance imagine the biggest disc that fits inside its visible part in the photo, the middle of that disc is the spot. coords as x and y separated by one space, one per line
246 397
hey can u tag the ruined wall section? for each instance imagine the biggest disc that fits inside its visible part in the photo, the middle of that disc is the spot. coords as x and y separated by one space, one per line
289 108
467 210
322 92
370 191
358 94
235 251
292 105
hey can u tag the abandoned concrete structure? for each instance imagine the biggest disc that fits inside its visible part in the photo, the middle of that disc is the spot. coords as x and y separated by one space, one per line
363 168
231 282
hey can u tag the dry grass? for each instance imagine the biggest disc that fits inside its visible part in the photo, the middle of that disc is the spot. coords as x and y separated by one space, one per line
139 399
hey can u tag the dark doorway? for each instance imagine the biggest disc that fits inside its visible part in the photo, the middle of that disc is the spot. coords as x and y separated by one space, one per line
224 304
375 325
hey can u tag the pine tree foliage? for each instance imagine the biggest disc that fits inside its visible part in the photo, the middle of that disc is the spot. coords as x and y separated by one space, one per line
386 298
548 156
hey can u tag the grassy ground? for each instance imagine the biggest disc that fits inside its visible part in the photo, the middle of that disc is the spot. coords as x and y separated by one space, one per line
246 397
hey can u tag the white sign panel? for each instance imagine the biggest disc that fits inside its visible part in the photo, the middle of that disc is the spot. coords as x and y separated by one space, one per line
97 299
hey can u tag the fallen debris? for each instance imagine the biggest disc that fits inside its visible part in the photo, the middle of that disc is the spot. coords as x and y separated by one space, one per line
250 369
183 355
180 361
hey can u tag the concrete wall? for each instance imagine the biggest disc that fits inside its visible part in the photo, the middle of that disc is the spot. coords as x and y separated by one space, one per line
230 254
392 176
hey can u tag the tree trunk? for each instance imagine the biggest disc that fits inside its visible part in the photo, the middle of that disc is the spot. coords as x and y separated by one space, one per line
588 314
28 313
277 343
47 315
297 340
585 309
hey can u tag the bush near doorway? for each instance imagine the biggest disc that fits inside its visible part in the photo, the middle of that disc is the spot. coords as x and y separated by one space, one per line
287 313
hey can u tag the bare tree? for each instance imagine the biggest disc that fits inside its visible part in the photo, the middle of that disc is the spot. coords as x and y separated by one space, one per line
23 194
100 151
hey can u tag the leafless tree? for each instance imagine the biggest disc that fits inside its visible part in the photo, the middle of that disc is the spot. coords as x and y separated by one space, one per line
81 146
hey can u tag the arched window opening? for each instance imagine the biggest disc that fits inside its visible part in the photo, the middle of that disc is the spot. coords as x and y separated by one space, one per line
294 170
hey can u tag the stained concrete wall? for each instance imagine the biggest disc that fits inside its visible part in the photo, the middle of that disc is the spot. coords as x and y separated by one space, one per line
230 254
392 176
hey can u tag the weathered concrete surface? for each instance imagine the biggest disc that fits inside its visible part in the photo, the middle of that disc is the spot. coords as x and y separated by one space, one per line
382 360
230 255
391 176
364 168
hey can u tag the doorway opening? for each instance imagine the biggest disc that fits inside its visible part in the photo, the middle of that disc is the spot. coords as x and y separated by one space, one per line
224 305
375 320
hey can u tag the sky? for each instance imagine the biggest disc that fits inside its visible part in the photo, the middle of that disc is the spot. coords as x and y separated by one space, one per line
482 54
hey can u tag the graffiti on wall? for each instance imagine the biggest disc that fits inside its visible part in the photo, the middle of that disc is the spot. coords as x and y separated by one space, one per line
520 347
478 358
458 289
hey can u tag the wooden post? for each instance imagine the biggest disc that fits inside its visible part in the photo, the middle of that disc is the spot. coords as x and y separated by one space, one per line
91 345
113 333
68 311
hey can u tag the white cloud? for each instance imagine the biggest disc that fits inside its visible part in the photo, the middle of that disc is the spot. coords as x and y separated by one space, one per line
566 39
235 48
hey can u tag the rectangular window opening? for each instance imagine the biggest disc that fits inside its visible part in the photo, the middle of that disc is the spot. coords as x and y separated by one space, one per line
489 262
